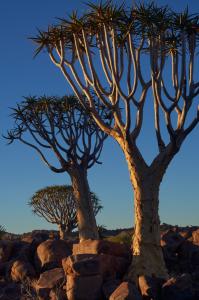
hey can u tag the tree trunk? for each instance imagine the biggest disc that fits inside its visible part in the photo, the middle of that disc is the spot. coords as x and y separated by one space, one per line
63 232
147 253
85 216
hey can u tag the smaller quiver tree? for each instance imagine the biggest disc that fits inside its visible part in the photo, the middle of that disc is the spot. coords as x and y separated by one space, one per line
57 205
60 125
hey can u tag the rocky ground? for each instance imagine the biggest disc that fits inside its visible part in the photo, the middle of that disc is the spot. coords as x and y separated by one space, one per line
38 265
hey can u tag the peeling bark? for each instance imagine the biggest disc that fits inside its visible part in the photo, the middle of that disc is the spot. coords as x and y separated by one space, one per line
85 216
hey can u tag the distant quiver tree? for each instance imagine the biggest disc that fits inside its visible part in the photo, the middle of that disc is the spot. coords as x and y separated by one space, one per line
130 57
61 126
57 205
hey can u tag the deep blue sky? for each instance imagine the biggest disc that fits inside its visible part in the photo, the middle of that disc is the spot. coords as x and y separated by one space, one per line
22 172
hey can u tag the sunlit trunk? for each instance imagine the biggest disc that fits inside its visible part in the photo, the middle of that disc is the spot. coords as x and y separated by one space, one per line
87 226
147 253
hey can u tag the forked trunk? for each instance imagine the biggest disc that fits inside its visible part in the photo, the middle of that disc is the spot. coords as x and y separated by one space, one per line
87 226
147 253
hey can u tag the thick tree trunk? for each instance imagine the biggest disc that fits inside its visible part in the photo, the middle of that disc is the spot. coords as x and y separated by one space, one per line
85 216
147 253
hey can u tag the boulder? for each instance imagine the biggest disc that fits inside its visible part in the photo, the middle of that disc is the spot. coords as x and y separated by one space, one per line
101 246
150 287
126 291
12 291
179 288
113 266
109 287
57 295
171 240
5 250
81 265
188 257
195 237
84 287
49 280
50 253
21 270
108 266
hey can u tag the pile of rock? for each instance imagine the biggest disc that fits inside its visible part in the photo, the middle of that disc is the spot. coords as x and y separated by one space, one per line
37 267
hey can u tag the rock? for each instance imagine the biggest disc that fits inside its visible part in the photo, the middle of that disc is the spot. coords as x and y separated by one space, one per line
81 265
150 287
101 246
48 280
50 253
113 266
5 250
3 268
171 240
109 287
108 266
195 237
126 291
21 270
188 257
12 291
84 287
179 288
57 295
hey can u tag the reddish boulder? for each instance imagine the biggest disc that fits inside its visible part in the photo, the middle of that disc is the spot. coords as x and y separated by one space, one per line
50 253
81 265
84 287
108 266
21 270
126 291
101 246
112 266
48 280
195 237
5 250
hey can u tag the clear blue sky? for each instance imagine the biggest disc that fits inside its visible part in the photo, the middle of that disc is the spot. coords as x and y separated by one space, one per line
22 172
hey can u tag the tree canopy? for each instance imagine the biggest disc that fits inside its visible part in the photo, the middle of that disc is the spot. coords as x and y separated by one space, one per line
57 205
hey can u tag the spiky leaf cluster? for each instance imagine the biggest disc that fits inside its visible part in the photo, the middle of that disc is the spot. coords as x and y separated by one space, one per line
143 20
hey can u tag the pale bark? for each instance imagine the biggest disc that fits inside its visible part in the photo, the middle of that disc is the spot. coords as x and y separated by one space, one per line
87 226
147 253
63 232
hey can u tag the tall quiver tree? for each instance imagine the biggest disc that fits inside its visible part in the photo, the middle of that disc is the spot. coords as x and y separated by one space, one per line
63 127
131 45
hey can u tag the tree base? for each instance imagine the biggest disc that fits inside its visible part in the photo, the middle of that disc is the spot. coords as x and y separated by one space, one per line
150 263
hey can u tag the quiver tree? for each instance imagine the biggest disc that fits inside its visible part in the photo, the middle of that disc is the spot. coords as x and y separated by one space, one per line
138 50
63 127
57 205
